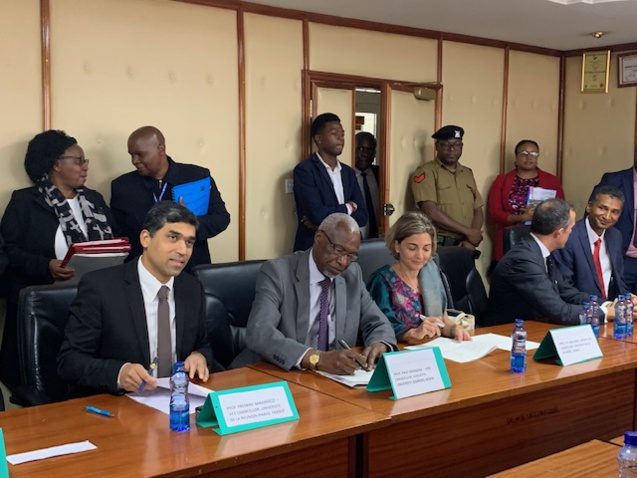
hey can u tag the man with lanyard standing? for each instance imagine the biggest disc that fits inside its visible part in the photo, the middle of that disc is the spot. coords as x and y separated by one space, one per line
134 193
447 193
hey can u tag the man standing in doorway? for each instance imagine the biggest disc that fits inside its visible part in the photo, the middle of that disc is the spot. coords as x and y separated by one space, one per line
322 184
447 193
367 177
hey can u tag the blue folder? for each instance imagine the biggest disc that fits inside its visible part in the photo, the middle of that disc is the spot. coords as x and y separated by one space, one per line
196 195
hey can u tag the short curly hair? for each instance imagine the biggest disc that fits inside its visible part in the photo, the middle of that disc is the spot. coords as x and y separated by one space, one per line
44 149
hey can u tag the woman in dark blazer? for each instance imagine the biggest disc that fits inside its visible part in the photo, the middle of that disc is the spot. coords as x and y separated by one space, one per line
40 222
509 192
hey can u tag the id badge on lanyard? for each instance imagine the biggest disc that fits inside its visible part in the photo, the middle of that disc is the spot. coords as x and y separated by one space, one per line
161 194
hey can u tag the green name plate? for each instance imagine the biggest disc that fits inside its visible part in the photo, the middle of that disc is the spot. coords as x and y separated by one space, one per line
4 468
239 409
410 372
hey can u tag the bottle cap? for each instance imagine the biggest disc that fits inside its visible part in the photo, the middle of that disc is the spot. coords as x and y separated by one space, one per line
519 323
179 367
586 305
630 438
593 298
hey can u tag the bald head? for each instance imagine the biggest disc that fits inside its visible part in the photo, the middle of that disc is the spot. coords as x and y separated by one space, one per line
147 148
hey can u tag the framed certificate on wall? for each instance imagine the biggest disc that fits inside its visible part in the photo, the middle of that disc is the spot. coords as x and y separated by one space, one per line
627 69
595 67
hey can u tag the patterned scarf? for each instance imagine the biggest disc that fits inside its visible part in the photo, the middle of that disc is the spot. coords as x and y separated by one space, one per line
96 223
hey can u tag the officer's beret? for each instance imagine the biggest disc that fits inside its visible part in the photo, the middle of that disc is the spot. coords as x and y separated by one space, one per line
449 132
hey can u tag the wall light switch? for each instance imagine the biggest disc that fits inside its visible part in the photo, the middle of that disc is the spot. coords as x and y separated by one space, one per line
289 186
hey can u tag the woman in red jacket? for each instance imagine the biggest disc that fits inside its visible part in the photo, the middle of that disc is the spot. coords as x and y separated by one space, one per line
509 193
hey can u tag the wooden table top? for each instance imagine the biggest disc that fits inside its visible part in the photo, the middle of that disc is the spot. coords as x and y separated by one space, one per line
474 382
138 442
594 458
606 332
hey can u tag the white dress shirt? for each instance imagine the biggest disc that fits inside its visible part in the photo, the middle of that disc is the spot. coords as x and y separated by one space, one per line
337 182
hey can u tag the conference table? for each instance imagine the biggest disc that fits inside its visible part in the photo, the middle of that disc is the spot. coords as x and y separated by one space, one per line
594 458
491 419
137 442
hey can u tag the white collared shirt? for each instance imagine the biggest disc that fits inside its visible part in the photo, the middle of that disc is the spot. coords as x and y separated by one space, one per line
150 287
604 258
543 249
337 182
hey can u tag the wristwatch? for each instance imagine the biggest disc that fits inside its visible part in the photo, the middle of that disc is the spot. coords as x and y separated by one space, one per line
314 360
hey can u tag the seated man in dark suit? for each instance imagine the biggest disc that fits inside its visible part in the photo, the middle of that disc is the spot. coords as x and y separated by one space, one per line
323 185
526 284
134 193
125 317
309 306
593 256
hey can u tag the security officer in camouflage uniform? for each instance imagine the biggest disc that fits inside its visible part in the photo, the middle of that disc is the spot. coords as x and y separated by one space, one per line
446 192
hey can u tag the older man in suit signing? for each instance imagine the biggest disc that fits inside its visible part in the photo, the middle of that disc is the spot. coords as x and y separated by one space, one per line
310 306
593 256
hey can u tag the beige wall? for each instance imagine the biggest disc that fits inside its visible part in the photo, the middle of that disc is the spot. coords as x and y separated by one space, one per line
20 89
118 64
599 132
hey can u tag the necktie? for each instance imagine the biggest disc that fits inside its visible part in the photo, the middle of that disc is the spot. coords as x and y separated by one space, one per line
324 301
164 344
598 267
550 266
373 225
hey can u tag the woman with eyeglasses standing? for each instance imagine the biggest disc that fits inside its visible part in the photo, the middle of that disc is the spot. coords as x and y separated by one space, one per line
41 221
509 193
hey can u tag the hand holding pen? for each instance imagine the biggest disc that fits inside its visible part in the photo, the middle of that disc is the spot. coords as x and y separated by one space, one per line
151 372
358 358
132 375
431 326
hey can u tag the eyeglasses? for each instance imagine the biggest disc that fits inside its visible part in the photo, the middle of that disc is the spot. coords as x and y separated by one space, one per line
77 160
533 154
338 250
451 145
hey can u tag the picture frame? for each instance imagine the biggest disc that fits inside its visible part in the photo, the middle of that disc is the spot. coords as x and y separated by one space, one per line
595 68
627 69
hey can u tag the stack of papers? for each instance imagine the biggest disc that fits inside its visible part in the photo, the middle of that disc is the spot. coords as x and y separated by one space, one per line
360 378
159 399
85 257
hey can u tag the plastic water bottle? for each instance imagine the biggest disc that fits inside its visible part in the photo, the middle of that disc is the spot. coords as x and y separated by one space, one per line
598 315
619 325
518 347
627 458
629 314
179 402
583 315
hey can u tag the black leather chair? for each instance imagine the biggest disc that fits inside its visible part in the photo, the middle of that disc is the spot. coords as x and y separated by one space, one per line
229 289
42 315
373 255
465 284
514 234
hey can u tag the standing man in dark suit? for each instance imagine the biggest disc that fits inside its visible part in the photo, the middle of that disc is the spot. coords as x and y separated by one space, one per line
625 181
367 177
593 256
134 193
526 284
322 184
126 316
310 305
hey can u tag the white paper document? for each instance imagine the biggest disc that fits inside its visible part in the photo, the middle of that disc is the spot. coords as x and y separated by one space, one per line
537 195
360 378
41 454
503 342
460 352
159 399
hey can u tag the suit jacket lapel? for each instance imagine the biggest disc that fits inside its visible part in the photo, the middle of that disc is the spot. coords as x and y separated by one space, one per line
340 306
135 301
301 285
586 249
323 174
180 315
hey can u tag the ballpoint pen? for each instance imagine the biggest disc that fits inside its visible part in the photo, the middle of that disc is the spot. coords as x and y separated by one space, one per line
151 368
99 411
347 347
439 324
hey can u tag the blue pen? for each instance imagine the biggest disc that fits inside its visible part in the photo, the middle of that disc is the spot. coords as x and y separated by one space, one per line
153 366
99 411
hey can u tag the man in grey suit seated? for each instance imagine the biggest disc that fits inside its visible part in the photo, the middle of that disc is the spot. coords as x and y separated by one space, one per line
311 305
